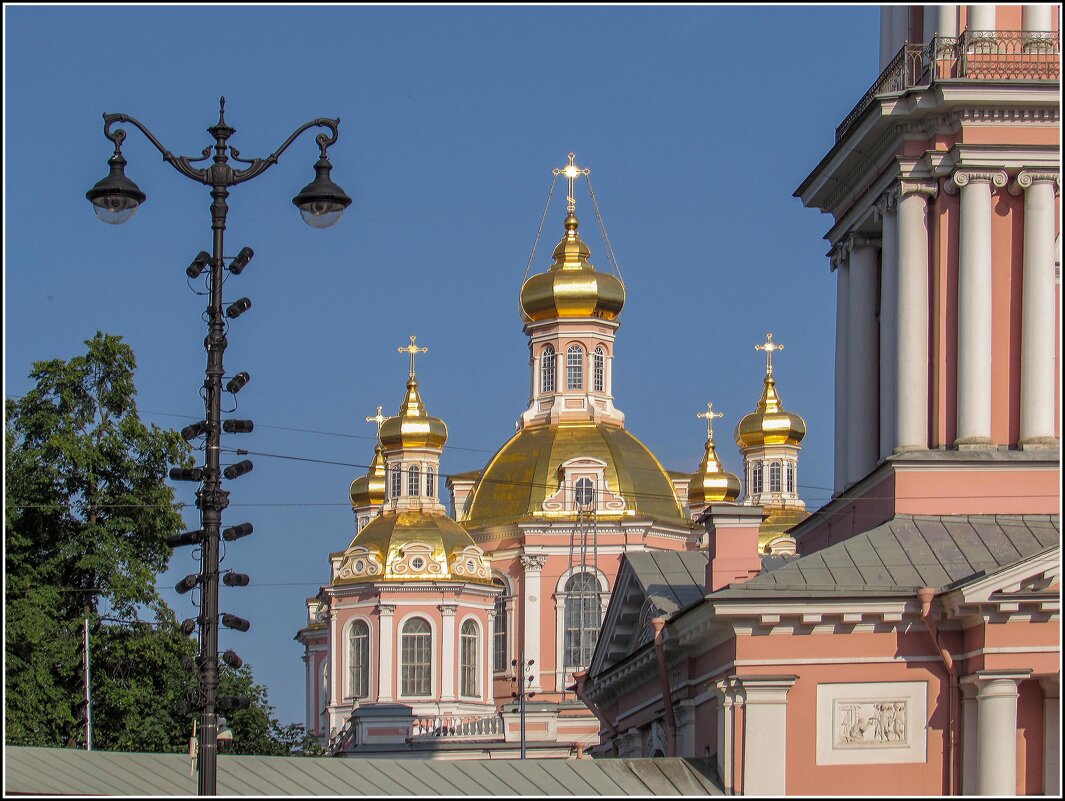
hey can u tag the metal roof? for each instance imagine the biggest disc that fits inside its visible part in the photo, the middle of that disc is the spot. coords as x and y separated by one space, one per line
906 553
672 580
63 771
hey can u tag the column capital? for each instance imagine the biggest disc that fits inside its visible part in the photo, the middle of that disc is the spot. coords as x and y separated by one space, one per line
840 253
533 562
767 689
1026 178
1051 687
916 186
966 175
996 683
448 610
886 203
862 241
386 609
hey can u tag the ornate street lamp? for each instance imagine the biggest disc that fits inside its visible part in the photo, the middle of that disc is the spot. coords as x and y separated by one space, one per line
115 199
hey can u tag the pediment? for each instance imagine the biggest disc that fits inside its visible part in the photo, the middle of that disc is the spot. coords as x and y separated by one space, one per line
1031 585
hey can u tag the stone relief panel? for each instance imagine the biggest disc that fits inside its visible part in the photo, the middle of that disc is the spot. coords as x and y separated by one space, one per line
872 723
862 724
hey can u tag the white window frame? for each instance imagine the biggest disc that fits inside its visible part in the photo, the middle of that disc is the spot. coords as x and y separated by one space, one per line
775 477
757 482
575 367
349 690
395 486
432 656
463 667
547 369
430 482
599 369
414 481
560 612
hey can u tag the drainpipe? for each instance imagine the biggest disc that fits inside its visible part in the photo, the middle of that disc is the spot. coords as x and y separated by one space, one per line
663 676
581 676
925 596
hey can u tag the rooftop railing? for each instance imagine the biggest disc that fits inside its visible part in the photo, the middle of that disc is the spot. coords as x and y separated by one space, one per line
975 55
458 727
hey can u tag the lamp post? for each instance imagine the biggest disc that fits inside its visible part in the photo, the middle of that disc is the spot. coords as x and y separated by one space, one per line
115 199
521 694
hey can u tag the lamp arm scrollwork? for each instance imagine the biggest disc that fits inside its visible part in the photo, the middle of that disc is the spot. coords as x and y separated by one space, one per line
260 165
182 164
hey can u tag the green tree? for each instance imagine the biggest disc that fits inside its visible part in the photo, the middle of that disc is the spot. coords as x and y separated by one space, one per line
255 729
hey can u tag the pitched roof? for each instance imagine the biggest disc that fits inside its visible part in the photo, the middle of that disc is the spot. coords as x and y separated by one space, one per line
63 771
906 553
671 580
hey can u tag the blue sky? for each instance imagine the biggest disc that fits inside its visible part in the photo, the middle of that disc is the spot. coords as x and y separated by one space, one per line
698 123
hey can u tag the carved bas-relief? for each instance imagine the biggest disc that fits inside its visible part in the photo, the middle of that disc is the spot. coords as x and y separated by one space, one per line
872 723
359 562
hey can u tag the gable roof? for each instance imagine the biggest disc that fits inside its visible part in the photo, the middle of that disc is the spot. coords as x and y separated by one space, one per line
66 771
906 553
671 580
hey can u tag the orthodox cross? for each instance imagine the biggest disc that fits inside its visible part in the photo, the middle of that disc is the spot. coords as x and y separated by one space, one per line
378 418
769 347
412 349
710 415
571 171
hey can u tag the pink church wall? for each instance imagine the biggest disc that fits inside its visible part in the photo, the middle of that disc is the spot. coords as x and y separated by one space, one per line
1007 237
1030 738
943 285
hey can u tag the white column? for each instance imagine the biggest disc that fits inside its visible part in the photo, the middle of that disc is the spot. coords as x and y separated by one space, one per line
1035 18
448 668
336 659
1051 736
726 740
384 659
764 741
981 18
839 260
536 388
1038 374
532 565
911 386
969 738
489 658
996 759
887 14
862 359
974 304
308 666
886 209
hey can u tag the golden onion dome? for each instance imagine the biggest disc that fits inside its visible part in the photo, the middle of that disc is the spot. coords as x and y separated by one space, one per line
413 427
524 473
414 546
369 490
571 287
711 483
769 424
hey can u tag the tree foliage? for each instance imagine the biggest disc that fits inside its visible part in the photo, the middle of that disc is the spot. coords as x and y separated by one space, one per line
87 514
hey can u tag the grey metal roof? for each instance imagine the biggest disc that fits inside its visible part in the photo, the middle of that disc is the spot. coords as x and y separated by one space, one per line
909 552
672 580
61 771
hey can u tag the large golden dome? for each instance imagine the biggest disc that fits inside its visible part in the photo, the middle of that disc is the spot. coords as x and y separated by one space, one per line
769 424
571 287
711 483
392 543
524 472
413 427
370 489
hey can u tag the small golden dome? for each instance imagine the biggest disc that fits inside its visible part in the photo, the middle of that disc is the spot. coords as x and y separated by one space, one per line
769 424
369 489
571 287
711 483
413 427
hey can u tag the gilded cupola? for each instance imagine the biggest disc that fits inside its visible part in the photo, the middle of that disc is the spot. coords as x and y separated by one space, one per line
711 483
369 490
413 427
769 423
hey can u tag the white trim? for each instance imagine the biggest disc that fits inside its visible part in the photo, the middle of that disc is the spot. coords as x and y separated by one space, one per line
434 667
481 680
559 598
346 645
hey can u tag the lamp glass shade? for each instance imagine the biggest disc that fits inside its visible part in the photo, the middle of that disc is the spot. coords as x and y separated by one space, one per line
321 202
115 198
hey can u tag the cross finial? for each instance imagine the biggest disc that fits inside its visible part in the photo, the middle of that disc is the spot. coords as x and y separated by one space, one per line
571 171
412 349
769 347
710 416
378 418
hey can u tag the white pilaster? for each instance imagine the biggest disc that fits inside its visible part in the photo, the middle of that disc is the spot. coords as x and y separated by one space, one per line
764 740
1036 18
1051 736
981 17
448 668
996 700
969 738
839 259
385 661
335 655
1038 333
726 732
308 669
488 665
862 358
532 564
889 295
911 398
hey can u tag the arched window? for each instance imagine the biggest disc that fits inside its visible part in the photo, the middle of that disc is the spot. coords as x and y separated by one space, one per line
547 370
468 650
599 369
417 657
430 482
499 647
789 476
756 479
359 660
363 521
397 481
585 493
414 481
575 367
581 620
774 477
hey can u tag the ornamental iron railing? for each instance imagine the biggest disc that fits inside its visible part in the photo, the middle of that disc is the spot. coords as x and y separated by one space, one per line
458 727
975 55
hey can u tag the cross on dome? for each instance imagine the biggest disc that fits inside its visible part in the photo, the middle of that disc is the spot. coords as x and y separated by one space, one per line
412 349
378 418
571 171
769 347
710 415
